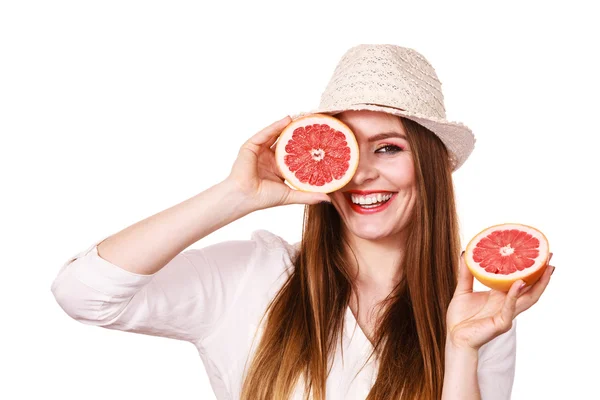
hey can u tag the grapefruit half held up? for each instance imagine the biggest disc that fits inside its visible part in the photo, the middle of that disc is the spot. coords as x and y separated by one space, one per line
317 153
501 254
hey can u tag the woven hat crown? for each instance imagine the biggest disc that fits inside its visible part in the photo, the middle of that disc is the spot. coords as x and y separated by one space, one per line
387 75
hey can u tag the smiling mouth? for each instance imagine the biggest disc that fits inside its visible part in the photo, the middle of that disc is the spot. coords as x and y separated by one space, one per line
373 205
369 203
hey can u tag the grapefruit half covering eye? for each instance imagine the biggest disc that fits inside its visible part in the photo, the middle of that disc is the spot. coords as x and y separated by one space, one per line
317 153
502 254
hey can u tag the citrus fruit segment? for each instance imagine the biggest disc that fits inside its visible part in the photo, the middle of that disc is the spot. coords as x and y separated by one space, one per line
502 254
317 153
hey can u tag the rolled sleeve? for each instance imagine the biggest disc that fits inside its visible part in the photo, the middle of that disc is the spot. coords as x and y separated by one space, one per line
183 300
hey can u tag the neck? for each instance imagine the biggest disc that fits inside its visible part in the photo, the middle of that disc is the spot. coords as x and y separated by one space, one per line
377 263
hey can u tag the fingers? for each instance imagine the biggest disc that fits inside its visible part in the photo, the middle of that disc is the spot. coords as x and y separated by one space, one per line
465 278
300 197
528 288
508 312
268 166
271 142
531 296
525 290
268 135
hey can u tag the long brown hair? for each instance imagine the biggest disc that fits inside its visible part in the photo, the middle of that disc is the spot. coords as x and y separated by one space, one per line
305 319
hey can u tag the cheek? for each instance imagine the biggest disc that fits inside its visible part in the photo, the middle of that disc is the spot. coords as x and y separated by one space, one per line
337 197
402 175
410 175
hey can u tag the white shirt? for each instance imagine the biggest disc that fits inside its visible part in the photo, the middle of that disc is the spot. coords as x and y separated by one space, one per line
215 297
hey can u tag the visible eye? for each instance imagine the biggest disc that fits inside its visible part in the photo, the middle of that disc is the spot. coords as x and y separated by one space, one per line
389 149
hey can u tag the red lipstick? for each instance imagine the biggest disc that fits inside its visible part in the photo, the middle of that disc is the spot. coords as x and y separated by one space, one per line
360 210
366 192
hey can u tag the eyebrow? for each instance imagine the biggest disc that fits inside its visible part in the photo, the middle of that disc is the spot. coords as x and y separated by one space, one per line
386 135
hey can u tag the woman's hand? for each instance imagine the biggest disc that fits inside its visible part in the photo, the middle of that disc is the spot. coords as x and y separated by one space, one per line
475 318
256 175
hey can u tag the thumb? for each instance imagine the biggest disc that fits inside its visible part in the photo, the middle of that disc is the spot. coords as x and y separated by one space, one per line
465 278
300 197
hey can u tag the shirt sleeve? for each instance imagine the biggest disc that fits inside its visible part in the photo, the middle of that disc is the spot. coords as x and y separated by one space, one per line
496 370
184 300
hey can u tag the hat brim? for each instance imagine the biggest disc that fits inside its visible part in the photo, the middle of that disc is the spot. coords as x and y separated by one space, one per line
457 137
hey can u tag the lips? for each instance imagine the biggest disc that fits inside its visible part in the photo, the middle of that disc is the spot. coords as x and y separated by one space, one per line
366 192
360 210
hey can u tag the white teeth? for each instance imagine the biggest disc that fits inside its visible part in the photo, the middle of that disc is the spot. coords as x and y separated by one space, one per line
370 199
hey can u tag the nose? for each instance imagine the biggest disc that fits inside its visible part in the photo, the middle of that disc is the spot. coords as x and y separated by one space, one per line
365 172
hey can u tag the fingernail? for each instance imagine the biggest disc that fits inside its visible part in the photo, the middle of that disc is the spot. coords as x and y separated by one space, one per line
461 254
522 287
553 268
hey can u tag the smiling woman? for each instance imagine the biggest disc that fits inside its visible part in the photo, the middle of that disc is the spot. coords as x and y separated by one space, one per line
274 320
389 173
371 257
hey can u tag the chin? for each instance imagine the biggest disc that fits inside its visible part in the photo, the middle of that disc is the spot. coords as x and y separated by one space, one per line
369 232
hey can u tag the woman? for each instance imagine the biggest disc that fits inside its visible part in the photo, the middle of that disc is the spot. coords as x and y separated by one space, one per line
368 305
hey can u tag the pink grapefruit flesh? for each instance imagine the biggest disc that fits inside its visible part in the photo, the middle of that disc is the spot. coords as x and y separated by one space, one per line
502 254
317 153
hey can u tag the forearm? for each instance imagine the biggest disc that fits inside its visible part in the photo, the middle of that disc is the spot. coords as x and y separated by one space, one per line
148 245
460 374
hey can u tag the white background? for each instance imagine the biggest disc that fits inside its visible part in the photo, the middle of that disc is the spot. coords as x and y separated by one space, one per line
112 111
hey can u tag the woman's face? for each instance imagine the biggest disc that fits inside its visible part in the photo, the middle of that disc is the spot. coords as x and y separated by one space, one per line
379 199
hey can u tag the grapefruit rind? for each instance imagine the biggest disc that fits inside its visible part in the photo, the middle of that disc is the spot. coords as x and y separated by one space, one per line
501 282
334 123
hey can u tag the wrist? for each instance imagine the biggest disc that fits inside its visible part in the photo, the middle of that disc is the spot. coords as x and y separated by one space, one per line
460 372
459 346
237 198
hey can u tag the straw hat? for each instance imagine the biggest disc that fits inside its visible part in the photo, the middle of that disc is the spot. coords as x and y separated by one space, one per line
399 81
